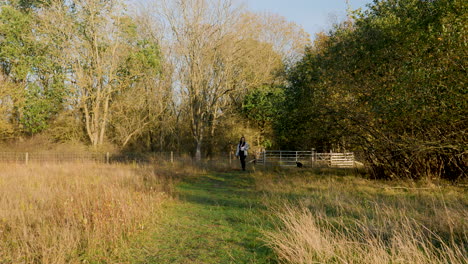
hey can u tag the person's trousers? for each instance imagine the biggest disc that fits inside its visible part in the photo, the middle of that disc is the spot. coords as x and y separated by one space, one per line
242 160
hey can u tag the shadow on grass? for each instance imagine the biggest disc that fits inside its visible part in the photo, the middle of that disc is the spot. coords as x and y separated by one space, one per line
232 190
227 208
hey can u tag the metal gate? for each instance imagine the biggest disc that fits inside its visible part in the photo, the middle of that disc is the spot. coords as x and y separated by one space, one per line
306 158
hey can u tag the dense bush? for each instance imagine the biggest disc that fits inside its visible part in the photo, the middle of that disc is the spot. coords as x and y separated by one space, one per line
391 83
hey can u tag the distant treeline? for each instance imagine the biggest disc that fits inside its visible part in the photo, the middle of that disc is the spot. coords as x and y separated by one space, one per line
193 76
161 75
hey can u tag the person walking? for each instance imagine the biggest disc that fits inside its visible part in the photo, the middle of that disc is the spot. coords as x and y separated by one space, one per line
241 151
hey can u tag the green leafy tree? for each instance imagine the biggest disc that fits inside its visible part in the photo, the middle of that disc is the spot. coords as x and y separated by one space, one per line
30 65
16 44
392 83
262 107
310 118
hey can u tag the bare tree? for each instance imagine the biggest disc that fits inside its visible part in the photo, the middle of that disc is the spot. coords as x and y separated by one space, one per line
98 51
214 56
286 38
141 108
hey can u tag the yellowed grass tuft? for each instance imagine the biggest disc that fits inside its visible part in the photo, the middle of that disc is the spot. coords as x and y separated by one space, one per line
73 212
306 238
344 219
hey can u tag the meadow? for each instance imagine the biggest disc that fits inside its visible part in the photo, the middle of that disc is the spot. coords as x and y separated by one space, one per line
333 216
75 213
117 110
98 213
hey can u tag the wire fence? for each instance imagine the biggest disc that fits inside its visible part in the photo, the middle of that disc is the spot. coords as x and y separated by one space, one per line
224 159
85 157
309 158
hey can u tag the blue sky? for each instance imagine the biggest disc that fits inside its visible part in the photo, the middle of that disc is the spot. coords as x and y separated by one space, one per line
313 15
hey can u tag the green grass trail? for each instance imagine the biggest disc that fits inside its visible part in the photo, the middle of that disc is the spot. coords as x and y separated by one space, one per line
217 218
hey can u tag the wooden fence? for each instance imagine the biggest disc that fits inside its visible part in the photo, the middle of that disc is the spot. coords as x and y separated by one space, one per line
306 158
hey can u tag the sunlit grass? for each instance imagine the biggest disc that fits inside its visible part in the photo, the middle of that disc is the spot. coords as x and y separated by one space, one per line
73 213
179 213
324 218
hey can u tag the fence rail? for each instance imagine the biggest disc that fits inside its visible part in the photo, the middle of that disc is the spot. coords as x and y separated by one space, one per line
270 157
26 157
157 157
307 158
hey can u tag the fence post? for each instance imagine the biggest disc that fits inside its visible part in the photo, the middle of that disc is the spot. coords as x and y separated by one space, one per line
230 158
172 157
107 157
264 158
312 157
26 158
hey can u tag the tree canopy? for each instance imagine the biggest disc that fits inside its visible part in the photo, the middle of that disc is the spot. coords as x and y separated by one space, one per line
391 83
195 75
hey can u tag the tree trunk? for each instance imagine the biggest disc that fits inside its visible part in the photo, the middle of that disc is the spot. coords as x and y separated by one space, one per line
104 120
198 150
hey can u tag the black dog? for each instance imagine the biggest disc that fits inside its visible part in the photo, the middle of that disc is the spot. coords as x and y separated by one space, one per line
299 165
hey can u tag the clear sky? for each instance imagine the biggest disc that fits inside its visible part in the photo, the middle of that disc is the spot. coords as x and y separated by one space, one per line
313 15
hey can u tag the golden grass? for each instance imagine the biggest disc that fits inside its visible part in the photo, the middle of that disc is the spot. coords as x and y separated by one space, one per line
74 213
345 219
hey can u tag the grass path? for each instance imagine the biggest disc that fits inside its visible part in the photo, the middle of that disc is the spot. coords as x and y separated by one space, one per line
217 219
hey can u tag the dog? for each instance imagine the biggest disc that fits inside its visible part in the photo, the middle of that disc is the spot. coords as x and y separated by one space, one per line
298 164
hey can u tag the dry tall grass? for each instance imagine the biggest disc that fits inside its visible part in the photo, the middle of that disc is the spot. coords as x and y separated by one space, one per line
332 219
73 213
